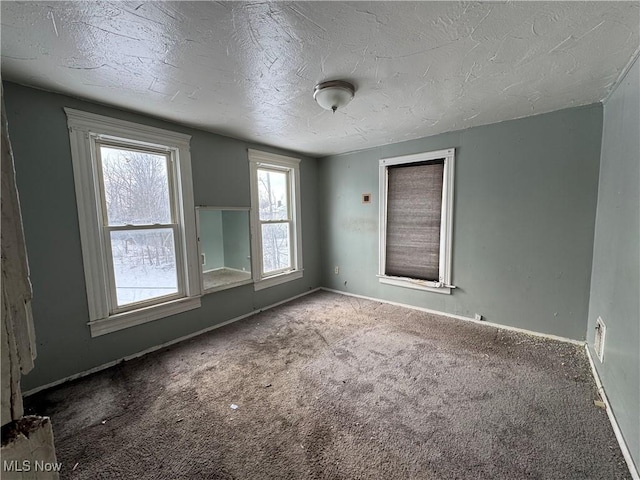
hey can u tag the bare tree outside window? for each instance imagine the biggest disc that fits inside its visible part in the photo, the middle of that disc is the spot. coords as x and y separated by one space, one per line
275 219
136 197
136 187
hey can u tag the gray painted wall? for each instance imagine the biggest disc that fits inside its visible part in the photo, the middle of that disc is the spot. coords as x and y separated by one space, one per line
237 240
211 241
615 282
38 130
524 213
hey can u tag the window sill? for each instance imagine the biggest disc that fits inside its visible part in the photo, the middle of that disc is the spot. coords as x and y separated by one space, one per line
277 280
226 286
121 321
415 284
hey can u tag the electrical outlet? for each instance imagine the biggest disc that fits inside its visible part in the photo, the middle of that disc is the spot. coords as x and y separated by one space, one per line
336 270
598 342
478 317
204 258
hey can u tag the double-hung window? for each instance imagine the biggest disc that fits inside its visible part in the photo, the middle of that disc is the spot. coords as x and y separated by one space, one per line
416 220
137 221
275 218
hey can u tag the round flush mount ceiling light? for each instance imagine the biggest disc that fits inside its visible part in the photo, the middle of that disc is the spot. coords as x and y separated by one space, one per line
334 94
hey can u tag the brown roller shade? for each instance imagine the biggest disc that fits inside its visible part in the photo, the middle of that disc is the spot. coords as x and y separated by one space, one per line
414 208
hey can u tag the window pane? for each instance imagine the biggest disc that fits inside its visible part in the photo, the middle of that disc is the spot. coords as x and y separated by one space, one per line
272 195
136 187
414 204
276 252
144 264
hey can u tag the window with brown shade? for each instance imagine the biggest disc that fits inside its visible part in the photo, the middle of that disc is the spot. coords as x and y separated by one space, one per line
416 194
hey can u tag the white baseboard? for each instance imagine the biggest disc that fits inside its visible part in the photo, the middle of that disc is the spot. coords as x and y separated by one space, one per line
461 317
612 419
158 347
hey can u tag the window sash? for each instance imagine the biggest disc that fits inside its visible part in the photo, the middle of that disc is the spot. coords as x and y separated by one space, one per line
291 266
171 177
109 260
114 308
287 172
289 220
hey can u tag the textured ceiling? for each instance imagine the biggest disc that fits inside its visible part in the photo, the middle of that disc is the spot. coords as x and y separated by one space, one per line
247 69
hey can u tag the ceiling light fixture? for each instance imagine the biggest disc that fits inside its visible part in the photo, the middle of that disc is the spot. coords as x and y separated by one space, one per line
333 94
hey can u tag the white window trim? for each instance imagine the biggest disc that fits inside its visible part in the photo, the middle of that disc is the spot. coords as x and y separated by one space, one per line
259 159
84 129
443 285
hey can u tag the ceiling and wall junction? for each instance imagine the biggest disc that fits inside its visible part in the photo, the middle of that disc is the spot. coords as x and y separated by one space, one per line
248 69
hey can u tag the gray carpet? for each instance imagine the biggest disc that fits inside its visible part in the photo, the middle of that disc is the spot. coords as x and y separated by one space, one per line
335 387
